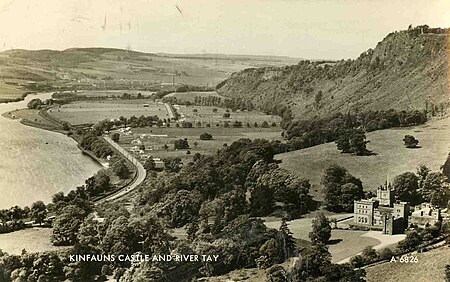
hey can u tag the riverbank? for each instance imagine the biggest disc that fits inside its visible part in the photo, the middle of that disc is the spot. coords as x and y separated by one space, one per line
42 120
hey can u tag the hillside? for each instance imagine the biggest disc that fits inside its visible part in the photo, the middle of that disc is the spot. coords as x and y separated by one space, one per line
391 157
406 70
99 68
430 268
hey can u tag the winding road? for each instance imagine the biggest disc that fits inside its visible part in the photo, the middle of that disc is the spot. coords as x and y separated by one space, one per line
141 173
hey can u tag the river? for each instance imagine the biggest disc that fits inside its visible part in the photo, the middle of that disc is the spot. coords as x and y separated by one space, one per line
36 163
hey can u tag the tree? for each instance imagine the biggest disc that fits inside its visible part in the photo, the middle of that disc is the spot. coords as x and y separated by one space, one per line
288 243
422 172
66 225
195 144
34 103
172 164
434 189
261 200
226 115
405 187
149 164
38 212
410 141
352 141
115 137
321 229
181 144
206 136
121 169
341 189
265 124
369 254
411 241
386 253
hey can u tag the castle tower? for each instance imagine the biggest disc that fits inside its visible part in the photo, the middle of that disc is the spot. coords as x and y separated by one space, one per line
385 195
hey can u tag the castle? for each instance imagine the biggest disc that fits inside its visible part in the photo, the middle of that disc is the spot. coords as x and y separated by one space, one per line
382 212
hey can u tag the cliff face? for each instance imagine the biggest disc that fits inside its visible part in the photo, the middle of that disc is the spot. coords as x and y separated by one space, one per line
407 70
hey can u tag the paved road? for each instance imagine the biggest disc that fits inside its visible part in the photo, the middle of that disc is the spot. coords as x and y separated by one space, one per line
141 173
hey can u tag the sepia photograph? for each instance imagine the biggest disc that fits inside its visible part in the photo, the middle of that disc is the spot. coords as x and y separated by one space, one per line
225 140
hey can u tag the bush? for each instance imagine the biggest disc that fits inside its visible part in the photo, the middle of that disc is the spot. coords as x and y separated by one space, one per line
206 136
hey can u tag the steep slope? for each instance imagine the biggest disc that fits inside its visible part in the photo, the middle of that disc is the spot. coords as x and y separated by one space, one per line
407 70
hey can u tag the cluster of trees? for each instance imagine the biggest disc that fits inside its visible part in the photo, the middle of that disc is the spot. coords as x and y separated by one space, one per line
303 134
119 167
133 121
34 104
13 219
234 104
352 141
181 144
95 144
341 189
422 186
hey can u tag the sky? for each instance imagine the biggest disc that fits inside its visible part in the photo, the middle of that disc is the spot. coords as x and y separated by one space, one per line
309 29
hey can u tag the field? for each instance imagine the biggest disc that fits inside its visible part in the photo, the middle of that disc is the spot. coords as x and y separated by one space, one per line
154 144
205 114
391 159
100 68
430 268
10 92
82 112
33 240
190 96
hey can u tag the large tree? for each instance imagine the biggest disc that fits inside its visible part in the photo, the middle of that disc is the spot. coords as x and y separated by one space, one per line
434 189
321 229
340 189
405 187
66 225
38 212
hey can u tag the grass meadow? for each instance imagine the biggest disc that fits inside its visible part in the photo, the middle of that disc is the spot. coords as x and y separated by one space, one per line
430 268
391 157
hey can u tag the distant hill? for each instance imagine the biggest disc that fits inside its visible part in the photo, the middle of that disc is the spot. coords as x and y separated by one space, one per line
83 68
406 70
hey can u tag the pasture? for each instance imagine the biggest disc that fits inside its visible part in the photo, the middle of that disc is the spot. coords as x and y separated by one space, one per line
82 112
391 157
33 240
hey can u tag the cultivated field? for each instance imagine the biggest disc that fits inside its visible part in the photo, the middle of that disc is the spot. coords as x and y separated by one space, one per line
430 268
154 144
9 91
205 114
82 112
391 159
